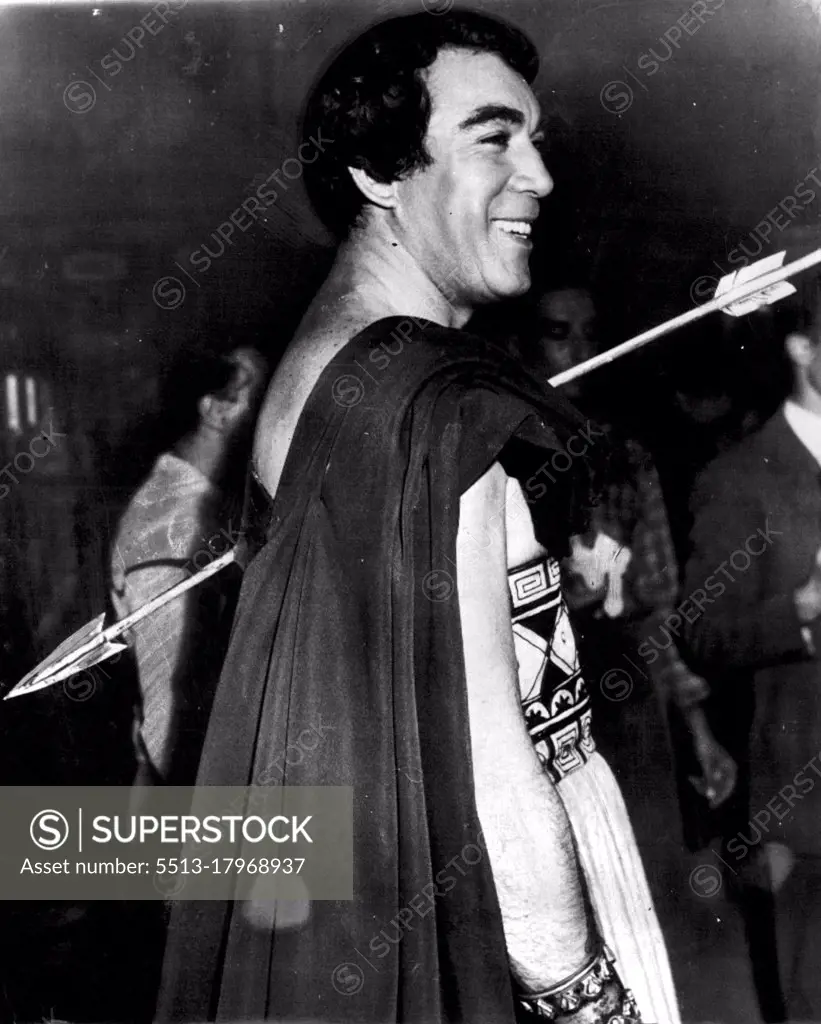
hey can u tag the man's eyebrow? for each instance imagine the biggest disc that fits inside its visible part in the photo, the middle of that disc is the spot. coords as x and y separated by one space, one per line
492 112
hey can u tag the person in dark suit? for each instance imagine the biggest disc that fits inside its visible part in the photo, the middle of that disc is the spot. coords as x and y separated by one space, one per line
752 616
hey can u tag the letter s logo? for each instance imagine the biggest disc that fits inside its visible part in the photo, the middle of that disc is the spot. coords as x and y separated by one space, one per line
48 830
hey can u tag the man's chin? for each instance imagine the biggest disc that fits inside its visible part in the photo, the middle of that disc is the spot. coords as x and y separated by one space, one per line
511 286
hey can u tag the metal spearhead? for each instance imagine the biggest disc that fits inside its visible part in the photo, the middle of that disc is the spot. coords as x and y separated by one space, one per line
92 644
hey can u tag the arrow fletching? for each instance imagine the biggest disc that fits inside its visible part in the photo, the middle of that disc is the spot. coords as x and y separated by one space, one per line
765 297
760 284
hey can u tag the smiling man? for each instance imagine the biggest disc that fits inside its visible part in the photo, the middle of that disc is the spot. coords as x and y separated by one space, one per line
403 596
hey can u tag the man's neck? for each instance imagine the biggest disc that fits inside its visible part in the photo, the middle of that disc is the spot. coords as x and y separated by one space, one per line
375 271
807 398
205 451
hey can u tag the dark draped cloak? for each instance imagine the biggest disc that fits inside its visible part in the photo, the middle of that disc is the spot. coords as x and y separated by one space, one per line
349 619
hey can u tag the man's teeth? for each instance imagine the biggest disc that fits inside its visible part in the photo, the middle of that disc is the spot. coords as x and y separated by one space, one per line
515 227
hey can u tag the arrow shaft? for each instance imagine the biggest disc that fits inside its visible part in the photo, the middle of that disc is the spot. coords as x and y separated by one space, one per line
735 294
168 595
742 291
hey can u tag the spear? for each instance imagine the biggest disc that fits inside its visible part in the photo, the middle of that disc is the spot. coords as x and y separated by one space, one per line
738 293
92 644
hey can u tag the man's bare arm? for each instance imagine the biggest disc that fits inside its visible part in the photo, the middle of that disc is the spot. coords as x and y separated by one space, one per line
524 822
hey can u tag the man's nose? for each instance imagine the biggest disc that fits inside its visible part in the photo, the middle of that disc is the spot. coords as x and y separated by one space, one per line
583 346
531 173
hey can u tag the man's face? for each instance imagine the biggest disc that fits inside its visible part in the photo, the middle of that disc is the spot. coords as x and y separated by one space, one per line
812 339
467 217
814 367
567 325
248 388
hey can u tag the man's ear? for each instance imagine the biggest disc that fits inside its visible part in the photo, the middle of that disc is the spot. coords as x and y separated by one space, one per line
377 192
799 348
215 412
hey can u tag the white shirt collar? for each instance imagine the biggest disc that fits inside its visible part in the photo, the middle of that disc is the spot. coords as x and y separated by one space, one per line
806 426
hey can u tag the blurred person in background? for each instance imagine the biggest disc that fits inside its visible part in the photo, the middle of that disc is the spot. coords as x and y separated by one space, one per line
756 567
705 403
621 578
186 513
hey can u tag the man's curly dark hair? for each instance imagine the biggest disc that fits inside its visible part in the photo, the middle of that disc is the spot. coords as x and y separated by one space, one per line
374 104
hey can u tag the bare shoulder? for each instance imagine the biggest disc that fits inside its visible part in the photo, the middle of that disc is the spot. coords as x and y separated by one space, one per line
291 385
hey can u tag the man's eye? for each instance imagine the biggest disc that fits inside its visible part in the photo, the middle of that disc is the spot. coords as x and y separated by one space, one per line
499 139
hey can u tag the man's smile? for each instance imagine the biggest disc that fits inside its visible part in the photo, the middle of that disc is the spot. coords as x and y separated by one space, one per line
518 231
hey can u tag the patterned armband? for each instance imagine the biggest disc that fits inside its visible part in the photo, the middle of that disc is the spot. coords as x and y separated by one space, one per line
583 988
